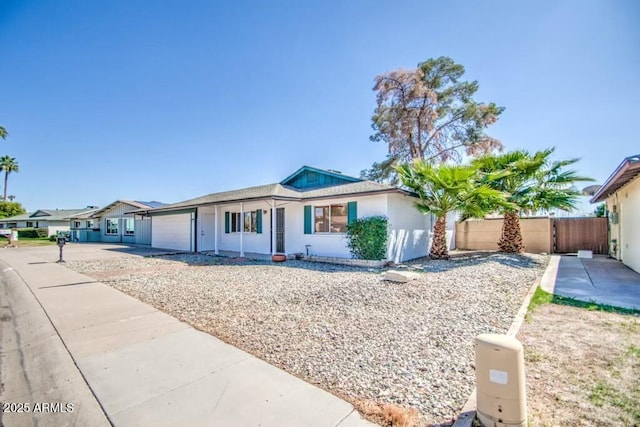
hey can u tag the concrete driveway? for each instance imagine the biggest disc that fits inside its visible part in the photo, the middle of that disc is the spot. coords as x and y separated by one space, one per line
600 279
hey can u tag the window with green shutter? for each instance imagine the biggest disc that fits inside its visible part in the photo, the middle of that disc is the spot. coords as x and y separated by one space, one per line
329 218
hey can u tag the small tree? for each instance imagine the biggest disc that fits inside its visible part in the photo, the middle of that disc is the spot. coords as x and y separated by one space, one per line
367 238
9 209
429 114
448 188
601 210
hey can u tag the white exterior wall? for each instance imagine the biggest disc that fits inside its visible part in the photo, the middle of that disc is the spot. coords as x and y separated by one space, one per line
54 226
627 231
409 229
19 224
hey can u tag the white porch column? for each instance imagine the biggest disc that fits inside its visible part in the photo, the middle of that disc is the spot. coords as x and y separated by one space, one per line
215 229
241 227
273 227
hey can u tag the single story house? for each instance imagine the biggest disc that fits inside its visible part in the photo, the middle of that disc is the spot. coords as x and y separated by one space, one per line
114 223
307 212
621 193
53 220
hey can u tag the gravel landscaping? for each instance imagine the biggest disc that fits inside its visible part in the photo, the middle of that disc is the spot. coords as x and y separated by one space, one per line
341 328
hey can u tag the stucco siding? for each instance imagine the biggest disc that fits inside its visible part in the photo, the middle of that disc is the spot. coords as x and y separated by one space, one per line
627 231
408 229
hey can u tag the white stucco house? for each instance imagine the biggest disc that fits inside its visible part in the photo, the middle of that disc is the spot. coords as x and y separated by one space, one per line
113 223
307 212
621 193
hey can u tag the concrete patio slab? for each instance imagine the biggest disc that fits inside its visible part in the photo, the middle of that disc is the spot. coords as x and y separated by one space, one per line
600 279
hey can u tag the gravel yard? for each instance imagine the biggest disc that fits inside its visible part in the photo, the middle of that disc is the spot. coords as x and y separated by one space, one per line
343 329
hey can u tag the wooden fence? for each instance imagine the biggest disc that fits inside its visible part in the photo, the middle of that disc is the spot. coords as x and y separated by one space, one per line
550 235
574 234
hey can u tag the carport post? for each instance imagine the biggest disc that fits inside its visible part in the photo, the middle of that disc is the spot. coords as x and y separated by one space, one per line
241 228
215 229
273 227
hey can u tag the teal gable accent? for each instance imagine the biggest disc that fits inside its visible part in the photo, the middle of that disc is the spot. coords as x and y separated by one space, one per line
307 177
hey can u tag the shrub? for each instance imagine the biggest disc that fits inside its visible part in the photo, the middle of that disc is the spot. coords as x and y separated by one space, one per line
367 238
27 233
52 238
32 233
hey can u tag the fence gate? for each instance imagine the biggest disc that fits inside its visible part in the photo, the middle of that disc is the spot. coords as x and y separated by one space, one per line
573 234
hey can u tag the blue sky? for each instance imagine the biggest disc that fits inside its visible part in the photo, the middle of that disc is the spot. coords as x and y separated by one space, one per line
169 100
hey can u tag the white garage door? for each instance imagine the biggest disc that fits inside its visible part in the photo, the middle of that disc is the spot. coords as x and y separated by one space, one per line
171 232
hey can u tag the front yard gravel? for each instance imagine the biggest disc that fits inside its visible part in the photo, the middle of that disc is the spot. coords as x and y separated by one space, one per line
341 328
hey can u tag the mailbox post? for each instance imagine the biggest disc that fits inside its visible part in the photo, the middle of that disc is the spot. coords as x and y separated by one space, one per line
61 242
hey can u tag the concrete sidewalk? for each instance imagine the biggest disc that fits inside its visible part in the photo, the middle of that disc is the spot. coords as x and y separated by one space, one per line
601 279
143 366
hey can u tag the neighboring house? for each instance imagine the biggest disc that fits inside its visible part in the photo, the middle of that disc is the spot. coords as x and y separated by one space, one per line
114 223
83 227
53 220
621 192
307 212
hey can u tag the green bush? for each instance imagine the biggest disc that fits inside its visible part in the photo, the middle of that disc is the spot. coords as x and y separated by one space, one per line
32 233
367 238
52 238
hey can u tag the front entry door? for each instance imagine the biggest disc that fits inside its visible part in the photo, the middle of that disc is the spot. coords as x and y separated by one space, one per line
207 232
280 230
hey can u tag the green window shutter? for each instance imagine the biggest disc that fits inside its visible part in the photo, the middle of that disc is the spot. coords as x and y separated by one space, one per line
226 222
307 220
259 221
352 212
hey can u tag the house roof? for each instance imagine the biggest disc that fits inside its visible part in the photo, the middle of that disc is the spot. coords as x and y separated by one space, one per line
136 204
45 215
627 171
278 191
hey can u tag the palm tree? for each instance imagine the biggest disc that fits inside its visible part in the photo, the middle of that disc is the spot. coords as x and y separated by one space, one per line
448 188
3 132
8 165
533 184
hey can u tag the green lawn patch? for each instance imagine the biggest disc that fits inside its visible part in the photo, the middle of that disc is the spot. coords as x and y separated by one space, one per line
541 297
35 241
